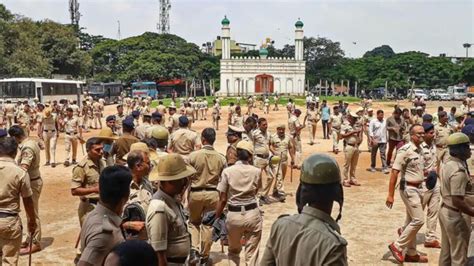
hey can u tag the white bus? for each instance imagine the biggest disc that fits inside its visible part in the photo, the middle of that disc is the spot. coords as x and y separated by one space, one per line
457 93
20 89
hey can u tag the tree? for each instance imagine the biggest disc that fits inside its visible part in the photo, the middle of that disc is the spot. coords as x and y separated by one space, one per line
384 51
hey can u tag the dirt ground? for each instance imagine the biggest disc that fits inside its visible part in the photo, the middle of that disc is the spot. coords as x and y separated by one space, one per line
366 223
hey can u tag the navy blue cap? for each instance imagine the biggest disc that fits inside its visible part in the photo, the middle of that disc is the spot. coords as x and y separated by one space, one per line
110 118
3 133
427 126
156 115
183 120
136 113
427 117
468 130
469 121
127 122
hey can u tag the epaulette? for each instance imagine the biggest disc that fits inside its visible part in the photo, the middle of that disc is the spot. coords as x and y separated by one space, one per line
107 227
283 215
405 147
82 163
336 234
157 205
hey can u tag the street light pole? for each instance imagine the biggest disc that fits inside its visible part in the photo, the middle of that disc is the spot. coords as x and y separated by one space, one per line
467 46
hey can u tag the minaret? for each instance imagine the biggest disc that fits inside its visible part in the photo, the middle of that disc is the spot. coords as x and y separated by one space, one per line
225 38
299 35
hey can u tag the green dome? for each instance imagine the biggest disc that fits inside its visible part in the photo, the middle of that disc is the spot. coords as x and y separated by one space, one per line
225 21
299 24
263 51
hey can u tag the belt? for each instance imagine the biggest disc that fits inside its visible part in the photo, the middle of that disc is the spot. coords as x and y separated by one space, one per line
353 145
91 201
449 207
197 189
181 260
71 133
52 130
413 184
34 179
263 156
248 207
7 214
441 146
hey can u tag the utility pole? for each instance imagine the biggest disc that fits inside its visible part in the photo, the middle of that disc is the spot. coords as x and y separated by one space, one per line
74 13
467 46
164 18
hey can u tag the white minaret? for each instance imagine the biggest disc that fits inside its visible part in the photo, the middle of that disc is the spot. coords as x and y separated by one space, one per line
225 38
299 35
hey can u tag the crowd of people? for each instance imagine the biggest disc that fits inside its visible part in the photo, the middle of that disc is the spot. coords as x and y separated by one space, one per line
153 191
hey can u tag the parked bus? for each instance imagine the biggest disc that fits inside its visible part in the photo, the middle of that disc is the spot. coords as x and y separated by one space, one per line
110 92
144 89
457 92
20 89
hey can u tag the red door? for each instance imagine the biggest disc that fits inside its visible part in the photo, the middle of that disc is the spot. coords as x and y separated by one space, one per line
264 84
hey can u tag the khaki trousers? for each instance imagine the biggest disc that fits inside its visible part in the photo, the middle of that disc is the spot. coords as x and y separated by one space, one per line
201 202
84 208
312 131
269 178
97 120
335 139
412 198
441 154
454 237
10 239
298 150
70 141
36 187
215 121
351 155
50 140
10 120
431 201
85 122
247 224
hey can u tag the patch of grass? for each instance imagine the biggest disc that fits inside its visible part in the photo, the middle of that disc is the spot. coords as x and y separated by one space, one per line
298 100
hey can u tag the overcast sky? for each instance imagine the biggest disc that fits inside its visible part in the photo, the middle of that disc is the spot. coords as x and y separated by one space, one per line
433 27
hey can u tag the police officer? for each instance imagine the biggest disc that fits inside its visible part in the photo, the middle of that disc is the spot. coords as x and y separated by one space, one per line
14 184
238 118
10 113
119 117
313 116
456 183
165 220
244 220
234 136
173 120
314 235
101 230
110 122
85 178
123 143
442 132
97 112
353 137
140 131
49 129
409 162
29 160
281 145
295 127
73 133
334 125
162 110
24 119
216 114
183 141
261 158
203 196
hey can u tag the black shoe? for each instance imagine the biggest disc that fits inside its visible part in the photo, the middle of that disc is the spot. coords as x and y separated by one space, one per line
47 164
74 162
264 200
194 257
66 164
53 165
206 261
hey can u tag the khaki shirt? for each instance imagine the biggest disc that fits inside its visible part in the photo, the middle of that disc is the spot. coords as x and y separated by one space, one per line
455 180
161 109
429 155
71 125
314 236
140 131
23 118
238 121
144 110
261 141
240 182
15 183
122 147
150 129
183 141
141 194
336 121
96 107
313 116
398 128
30 155
49 123
173 122
231 154
352 139
75 110
293 124
409 161
86 174
441 135
118 120
9 109
209 165
281 145
166 226
99 234
418 120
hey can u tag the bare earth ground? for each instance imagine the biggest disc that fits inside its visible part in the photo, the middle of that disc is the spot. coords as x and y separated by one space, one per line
366 223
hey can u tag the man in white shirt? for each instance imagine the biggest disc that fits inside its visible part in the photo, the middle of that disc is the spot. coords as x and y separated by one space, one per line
378 139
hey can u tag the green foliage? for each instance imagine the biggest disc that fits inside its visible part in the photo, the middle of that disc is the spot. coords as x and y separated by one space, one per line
384 51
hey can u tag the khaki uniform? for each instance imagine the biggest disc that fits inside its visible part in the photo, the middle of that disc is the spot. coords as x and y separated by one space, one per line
282 146
313 117
140 131
336 124
122 146
410 162
204 196
231 154
151 128
216 112
173 122
141 194
260 159
469 197
97 112
315 240
24 119
166 228
189 112
441 140
86 174
418 120
183 141
14 184
29 155
10 114
75 110
71 127
162 110
118 123
241 182
238 121
293 123
455 231
50 135
407 122
86 114
351 152
144 110
101 232
431 198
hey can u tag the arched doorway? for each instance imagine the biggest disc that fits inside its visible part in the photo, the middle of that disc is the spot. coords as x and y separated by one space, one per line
264 84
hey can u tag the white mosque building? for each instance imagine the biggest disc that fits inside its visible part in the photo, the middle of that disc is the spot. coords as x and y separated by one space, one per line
242 76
